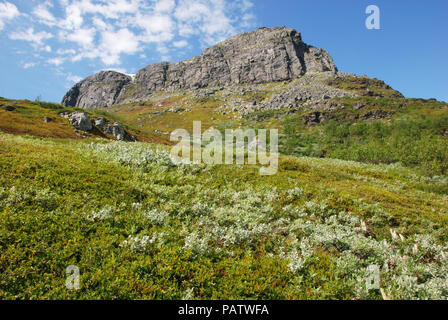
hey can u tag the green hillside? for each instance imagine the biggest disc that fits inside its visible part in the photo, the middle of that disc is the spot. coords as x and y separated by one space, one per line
24 117
362 181
139 226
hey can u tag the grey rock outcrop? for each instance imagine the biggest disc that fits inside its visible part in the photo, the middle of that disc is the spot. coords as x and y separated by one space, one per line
115 129
310 88
80 120
97 91
264 55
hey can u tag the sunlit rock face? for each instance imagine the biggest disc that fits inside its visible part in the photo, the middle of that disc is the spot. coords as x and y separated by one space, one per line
264 55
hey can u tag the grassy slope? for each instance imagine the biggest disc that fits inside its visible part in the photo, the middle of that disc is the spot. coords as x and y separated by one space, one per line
379 126
416 136
27 118
216 232
150 118
225 231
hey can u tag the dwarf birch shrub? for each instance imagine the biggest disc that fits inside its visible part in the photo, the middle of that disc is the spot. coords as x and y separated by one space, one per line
153 230
196 244
200 209
133 154
294 194
296 263
141 244
410 269
155 216
42 198
140 155
188 294
102 214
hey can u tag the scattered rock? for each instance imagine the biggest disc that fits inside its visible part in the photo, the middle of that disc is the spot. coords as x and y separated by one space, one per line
175 110
115 129
329 106
363 85
376 115
100 123
312 119
162 132
358 106
311 88
80 120
353 116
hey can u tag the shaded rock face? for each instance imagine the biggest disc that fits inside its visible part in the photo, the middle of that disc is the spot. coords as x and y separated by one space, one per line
312 119
264 55
97 91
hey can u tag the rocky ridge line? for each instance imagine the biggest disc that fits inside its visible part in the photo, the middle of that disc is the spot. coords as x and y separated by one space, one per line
263 55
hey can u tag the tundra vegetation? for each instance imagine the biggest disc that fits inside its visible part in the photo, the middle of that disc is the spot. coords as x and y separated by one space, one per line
364 185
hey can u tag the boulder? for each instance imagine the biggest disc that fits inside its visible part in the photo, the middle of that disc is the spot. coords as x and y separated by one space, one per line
312 119
80 120
377 115
115 129
100 123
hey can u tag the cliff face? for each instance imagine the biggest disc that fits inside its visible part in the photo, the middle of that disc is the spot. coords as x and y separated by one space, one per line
98 91
264 55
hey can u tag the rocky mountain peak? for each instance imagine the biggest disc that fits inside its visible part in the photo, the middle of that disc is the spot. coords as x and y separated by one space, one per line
263 55
97 91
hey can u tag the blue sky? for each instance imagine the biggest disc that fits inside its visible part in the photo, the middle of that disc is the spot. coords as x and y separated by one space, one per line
47 46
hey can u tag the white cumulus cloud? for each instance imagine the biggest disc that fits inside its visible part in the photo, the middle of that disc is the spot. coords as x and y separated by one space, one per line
28 65
113 44
83 37
43 14
73 79
8 11
105 31
180 44
56 61
37 38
